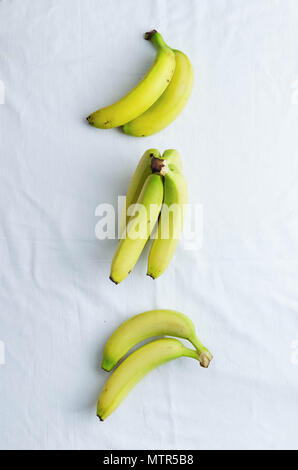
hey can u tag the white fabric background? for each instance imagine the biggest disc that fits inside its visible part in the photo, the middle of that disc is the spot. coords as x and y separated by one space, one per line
60 60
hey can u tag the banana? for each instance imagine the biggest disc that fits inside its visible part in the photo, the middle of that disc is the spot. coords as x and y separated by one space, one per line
141 173
139 228
148 90
149 324
134 368
170 104
170 222
173 157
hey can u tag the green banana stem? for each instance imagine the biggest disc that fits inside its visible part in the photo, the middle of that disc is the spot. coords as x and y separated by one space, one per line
191 353
156 39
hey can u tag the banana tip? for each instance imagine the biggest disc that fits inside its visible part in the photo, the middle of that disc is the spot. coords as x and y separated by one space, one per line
125 129
90 120
111 279
151 275
100 419
105 365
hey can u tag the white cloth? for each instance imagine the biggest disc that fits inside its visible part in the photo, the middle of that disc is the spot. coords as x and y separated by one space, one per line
61 60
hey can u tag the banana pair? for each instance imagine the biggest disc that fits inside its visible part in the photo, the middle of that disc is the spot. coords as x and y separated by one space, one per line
158 190
138 328
157 99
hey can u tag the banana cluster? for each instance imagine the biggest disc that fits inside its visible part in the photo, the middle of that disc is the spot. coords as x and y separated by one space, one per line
138 328
157 192
156 100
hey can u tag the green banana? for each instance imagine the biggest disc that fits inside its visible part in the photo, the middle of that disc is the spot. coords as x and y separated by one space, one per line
170 222
141 173
134 368
139 228
173 157
148 90
149 324
170 104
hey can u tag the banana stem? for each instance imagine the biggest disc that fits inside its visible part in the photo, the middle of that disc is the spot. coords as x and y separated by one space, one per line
156 38
205 355
159 165
191 353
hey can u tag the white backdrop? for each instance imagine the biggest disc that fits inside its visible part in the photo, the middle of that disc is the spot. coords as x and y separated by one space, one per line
59 61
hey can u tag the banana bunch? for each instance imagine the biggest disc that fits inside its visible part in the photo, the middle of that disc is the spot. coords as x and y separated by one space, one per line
138 328
156 100
157 192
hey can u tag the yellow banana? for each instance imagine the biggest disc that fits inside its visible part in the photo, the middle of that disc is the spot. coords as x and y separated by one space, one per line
148 90
146 325
170 104
141 173
139 228
170 222
134 368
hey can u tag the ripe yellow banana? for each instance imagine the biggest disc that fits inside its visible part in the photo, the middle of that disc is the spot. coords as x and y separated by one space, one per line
170 104
147 325
139 228
141 173
134 368
148 90
170 222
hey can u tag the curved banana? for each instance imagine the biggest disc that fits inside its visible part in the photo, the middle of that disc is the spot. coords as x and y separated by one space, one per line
148 90
170 222
141 173
139 228
170 104
147 325
134 368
